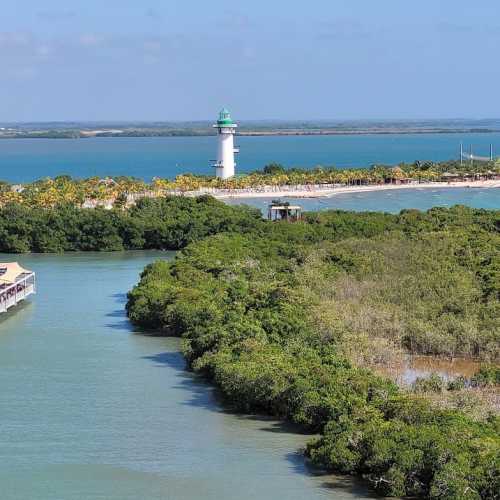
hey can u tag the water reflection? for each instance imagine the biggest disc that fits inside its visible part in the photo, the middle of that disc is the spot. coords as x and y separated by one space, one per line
413 367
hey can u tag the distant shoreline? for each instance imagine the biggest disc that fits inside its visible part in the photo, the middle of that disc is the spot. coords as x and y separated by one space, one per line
281 132
363 132
319 192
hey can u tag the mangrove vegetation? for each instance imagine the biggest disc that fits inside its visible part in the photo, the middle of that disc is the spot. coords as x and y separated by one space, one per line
295 320
292 320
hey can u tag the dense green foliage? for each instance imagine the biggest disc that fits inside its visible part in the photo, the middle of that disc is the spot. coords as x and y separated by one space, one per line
286 318
164 223
487 376
257 314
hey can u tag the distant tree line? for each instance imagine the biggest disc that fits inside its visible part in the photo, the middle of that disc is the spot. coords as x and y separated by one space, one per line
164 223
63 189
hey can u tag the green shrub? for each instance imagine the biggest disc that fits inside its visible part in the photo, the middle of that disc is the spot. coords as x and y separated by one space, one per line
432 383
486 376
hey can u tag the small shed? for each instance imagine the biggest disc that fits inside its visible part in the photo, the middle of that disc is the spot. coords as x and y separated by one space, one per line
284 211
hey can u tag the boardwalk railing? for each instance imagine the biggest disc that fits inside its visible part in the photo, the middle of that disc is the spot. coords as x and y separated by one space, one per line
15 293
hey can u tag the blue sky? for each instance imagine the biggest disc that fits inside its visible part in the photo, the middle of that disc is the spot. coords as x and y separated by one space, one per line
274 59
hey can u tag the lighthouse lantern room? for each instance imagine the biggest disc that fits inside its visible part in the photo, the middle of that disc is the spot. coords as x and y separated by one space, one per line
224 165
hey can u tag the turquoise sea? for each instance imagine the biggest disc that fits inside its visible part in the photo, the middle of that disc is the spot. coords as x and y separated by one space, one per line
391 200
24 160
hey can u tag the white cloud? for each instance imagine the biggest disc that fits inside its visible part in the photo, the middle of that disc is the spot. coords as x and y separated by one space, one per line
249 53
91 40
15 39
151 59
23 73
153 13
56 15
43 51
152 46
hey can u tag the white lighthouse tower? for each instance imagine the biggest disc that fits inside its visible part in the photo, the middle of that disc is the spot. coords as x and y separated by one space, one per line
224 165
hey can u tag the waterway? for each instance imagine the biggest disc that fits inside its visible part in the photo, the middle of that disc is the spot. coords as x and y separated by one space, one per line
91 409
25 160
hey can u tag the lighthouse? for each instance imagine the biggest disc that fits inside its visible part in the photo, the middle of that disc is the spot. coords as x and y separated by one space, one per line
224 165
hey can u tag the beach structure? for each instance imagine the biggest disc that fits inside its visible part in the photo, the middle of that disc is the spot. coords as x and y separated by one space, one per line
284 211
16 284
225 164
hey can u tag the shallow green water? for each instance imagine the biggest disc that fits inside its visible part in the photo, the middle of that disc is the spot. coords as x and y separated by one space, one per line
391 200
91 410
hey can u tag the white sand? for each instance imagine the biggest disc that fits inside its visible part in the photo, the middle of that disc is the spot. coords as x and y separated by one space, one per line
317 191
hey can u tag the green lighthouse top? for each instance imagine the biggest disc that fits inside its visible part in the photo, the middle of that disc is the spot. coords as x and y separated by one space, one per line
224 118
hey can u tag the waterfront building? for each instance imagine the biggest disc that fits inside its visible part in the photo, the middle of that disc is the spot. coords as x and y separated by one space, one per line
16 284
225 164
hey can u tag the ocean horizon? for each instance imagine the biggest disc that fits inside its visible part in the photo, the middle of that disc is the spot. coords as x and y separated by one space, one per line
26 160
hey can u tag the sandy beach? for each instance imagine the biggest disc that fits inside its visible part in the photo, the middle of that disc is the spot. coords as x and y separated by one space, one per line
318 191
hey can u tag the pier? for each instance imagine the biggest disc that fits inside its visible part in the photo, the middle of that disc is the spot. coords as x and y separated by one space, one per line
16 284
